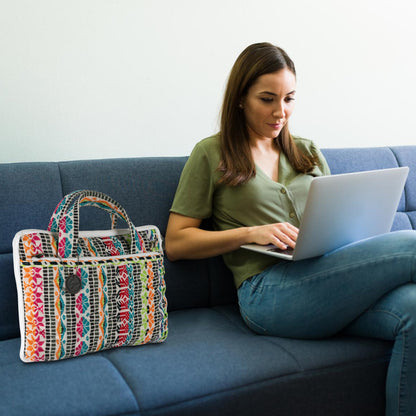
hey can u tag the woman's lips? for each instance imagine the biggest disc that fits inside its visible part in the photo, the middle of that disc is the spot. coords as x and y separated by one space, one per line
275 126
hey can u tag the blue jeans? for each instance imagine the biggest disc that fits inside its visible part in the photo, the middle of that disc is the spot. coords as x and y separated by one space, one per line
366 288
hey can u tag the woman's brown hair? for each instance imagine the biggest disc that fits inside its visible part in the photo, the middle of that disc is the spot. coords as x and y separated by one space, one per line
237 165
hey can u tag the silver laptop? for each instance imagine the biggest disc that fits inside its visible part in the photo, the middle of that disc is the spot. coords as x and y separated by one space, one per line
342 209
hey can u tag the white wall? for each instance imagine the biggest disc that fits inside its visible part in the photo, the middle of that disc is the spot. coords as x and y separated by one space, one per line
117 78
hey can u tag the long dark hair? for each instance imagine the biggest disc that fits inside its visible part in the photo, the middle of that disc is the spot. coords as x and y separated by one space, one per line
237 165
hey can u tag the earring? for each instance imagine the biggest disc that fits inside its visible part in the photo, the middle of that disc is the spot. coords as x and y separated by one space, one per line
240 106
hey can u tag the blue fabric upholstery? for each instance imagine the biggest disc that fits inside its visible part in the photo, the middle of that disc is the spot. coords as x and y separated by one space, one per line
211 364
223 359
406 157
89 385
28 194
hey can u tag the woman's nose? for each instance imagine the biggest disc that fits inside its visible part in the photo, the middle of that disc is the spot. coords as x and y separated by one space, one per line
279 111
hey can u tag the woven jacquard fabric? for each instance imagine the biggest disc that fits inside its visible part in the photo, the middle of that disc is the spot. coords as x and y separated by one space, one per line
82 292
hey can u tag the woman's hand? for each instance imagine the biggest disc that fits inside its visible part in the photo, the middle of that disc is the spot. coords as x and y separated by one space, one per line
282 235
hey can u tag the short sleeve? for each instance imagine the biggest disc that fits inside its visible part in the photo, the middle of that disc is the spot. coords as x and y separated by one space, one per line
195 190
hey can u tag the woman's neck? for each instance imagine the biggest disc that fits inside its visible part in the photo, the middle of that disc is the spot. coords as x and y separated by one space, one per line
266 156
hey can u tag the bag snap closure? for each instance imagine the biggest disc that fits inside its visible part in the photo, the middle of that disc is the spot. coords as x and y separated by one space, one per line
73 284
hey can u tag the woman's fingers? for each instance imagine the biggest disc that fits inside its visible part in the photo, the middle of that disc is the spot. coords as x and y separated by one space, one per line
285 235
281 235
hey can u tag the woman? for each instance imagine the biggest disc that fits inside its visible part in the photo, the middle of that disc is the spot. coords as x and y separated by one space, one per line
252 179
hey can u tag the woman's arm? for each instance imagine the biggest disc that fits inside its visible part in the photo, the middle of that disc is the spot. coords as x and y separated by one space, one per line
185 240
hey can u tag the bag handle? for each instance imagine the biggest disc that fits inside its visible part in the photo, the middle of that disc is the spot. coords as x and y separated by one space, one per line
63 206
65 220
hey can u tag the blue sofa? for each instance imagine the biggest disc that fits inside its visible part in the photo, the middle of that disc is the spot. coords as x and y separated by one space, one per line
211 363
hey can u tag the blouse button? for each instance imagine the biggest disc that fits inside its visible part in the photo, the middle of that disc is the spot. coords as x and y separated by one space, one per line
292 215
283 190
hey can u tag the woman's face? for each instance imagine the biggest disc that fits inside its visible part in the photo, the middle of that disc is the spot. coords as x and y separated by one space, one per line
269 103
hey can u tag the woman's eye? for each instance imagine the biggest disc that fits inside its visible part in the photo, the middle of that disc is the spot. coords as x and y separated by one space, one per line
289 99
266 100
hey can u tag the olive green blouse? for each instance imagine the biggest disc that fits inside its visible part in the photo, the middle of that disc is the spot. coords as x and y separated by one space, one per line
259 201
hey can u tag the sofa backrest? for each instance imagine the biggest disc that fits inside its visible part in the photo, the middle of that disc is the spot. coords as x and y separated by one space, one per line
29 193
360 159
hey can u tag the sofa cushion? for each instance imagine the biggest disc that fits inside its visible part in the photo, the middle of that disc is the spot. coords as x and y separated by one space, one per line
88 385
412 218
359 159
29 193
211 363
403 221
211 360
406 156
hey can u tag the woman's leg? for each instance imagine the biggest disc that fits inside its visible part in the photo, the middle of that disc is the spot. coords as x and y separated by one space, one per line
318 297
393 317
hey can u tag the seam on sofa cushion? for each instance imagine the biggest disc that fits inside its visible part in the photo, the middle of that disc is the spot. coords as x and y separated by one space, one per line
245 329
60 179
411 219
394 155
137 412
270 341
284 378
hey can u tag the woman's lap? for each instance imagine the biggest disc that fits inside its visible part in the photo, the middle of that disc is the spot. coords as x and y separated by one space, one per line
318 297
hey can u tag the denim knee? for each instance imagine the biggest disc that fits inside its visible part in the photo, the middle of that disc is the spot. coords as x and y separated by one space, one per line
249 303
400 303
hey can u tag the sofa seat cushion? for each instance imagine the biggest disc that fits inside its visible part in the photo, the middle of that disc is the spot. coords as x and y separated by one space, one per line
212 363
88 385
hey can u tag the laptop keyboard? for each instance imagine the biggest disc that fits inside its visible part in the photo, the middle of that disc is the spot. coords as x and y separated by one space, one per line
288 251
